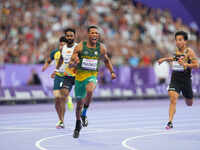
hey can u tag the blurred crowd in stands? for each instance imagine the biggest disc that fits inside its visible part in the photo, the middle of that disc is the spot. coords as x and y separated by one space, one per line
134 34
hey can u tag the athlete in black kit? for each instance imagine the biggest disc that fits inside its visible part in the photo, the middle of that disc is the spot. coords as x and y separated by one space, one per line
183 62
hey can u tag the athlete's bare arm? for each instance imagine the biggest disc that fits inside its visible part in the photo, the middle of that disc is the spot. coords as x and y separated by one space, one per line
46 65
60 62
168 59
107 60
74 59
194 61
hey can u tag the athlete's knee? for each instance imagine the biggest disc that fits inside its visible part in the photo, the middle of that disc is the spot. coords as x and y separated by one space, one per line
90 87
57 94
89 93
79 106
173 100
57 100
65 92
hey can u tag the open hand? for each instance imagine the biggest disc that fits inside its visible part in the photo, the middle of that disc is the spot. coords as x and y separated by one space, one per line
113 76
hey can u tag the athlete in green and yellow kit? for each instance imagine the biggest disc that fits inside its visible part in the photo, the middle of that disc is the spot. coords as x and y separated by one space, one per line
86 58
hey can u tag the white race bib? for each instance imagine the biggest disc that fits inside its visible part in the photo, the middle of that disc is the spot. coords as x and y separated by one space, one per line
176 66
66 60
89 64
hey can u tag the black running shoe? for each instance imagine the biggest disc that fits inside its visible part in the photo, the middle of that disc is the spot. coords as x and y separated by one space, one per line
77 129
84 121
169 126
76 133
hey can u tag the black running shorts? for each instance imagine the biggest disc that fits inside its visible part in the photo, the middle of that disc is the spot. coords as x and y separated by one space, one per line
68 82
182 85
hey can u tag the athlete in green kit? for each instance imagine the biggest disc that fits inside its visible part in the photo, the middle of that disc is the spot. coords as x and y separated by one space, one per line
86 58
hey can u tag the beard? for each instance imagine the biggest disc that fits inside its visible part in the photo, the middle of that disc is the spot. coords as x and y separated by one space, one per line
70 41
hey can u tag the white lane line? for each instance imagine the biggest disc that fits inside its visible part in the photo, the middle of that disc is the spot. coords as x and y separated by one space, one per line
25 128
124 142
38 143
8 132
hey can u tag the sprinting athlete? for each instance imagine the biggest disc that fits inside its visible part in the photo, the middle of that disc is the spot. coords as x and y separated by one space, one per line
183 62
62 66
58 82
86 57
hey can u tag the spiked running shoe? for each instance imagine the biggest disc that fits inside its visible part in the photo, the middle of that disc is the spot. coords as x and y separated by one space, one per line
84 121
60 125
77 129
169 126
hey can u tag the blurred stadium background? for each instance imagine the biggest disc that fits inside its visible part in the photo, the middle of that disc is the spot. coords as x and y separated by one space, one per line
136 34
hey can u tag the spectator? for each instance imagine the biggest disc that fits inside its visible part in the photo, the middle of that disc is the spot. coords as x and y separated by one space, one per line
30 28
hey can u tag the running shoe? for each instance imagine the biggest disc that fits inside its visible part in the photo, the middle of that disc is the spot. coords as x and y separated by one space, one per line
169 126
77 129
84 121
60 125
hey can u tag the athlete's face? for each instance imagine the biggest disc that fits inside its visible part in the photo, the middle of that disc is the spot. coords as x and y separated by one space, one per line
61 45
70 36
180 42
93 35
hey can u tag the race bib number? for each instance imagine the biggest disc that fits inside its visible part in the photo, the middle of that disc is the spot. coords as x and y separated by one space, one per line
176 66
66 60
89 64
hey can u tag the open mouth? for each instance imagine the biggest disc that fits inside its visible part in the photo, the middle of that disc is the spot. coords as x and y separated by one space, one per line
94 39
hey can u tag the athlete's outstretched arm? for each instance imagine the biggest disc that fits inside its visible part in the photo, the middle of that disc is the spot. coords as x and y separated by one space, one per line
107 61
194 61
46 65
57 66
168 59
75 59
60 62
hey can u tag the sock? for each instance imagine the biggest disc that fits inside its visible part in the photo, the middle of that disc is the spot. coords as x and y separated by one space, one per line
78 124
84 110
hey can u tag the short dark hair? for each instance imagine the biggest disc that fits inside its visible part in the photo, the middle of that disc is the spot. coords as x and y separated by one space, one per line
183 33
92 27
63 39
69 30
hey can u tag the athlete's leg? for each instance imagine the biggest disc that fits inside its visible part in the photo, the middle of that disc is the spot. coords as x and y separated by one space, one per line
58 81
67 86
58 99
65 93
188 92
79 107
80 93
90 87
172 107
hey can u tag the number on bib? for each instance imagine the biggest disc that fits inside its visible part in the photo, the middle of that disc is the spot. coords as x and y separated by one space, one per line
89 64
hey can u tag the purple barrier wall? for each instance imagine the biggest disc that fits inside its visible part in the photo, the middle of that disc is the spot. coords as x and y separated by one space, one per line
130 82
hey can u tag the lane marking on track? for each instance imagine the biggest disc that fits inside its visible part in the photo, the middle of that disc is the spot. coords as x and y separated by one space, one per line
124 142
38 142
